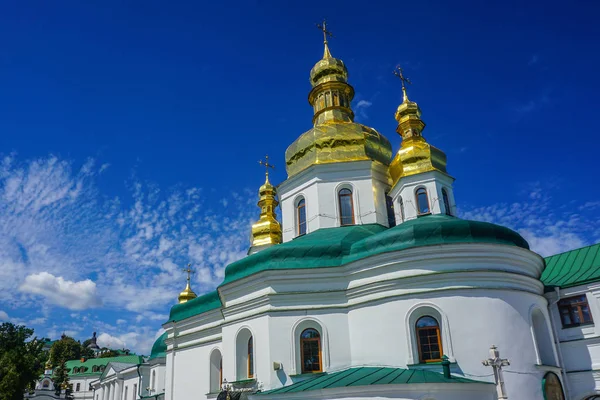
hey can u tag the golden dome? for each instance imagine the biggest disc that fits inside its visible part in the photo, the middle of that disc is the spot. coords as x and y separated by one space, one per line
415 155
267 230
188 293
335 137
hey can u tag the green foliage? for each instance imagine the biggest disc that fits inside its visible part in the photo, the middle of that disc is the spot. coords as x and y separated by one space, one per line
21 360
61 381
64 350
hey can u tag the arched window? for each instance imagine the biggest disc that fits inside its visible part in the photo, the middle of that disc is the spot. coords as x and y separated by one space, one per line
401 203
391 215
310 350
250 358
245 355
446 202
422 201
153 385
543 340
553 388
216 371
429 340
346 207
46 384
301 217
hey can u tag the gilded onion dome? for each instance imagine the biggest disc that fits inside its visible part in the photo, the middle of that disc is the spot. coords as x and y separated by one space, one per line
415 155
188 293
335 137
267 230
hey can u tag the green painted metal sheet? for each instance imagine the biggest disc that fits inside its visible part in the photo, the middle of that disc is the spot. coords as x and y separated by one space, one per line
90 363
201 304
366 376
572 268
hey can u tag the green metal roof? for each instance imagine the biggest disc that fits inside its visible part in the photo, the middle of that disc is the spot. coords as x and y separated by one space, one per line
206 302
365 376
90 363
159 348
573 268
332 247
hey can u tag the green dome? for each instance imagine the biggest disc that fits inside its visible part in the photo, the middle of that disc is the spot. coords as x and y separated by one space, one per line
332 247
159 348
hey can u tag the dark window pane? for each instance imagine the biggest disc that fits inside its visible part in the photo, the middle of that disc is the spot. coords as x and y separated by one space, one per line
301 217
390 211
346 209
446 201
426 321
422 201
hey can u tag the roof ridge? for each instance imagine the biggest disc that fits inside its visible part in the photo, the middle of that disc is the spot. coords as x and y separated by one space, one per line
568 251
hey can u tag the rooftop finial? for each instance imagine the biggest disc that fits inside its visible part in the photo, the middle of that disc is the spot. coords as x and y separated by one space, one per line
399 72
326 33
188 293
266 164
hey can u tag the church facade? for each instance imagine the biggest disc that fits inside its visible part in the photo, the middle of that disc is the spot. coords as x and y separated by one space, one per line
372 287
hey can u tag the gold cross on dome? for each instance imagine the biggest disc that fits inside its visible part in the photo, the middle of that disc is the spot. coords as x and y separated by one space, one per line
189 271
266 164
323 28
399 72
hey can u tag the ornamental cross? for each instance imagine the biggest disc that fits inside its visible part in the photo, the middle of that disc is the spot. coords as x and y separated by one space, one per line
497 363
399 72
266 165
323 27
189 271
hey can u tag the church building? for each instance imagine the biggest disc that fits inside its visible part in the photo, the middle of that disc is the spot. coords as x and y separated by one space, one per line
372 287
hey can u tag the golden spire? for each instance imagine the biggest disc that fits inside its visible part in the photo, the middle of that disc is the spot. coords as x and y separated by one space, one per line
267 230
415 155
323 28
188 293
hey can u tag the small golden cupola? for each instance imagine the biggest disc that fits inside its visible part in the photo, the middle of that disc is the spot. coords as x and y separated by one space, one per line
415 155
267 230
188 293
335 137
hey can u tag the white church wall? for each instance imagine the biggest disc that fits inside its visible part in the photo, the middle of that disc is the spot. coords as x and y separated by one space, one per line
368 181
433 182
472 320
192 372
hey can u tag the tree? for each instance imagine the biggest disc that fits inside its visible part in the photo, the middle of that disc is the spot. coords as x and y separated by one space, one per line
21 360
61 381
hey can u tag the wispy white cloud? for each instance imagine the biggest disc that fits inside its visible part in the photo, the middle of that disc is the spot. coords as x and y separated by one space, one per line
361 107
63 245
549 228
3 316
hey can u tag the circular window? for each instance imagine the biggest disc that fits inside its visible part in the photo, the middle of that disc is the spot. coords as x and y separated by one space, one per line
552 387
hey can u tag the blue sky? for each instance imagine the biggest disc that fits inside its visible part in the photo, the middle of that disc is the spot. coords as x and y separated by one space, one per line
130 131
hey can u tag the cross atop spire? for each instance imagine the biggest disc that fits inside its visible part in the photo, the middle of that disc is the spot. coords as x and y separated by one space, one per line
266 164
323 28
189 271
399 72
